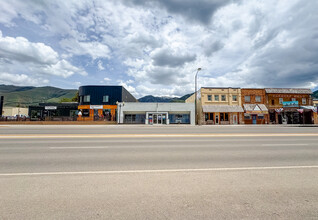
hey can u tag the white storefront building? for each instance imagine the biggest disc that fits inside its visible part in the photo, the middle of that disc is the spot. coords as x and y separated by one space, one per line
155 113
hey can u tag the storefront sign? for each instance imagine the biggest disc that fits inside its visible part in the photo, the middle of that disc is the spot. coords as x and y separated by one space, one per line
96 107
50 107
290 104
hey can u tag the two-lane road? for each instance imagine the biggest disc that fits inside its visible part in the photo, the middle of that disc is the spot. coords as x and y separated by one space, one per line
159 172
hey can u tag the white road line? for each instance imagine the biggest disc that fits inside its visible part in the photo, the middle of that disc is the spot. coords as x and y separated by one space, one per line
80 136
159 171
285 144
54 148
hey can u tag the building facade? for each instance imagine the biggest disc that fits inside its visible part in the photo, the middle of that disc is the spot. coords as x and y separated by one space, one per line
13 111
100 102
255 110
219 106
66 111
289 106
155 113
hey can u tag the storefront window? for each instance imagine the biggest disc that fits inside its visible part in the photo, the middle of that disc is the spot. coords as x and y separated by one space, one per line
247 116
85 113
224 116
304 101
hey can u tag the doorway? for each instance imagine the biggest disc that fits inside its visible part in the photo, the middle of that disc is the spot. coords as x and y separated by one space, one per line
217 119
235 119
157 118
254 119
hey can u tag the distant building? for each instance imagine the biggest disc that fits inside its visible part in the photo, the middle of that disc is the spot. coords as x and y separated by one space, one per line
100 102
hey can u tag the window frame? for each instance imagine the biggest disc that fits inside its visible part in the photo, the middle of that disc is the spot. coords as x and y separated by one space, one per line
245 98
216 98
235 98
87 98
107 98
209 97
224 98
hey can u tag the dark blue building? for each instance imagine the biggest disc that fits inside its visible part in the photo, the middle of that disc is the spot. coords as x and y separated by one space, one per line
99 102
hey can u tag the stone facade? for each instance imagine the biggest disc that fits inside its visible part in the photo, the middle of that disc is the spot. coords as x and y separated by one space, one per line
218 96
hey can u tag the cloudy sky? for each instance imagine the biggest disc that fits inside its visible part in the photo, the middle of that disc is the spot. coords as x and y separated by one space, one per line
155 46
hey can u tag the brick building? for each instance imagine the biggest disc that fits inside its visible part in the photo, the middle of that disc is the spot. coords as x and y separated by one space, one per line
291 106
255 110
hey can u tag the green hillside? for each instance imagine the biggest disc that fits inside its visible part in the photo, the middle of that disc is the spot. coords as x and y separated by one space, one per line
315 95
25 96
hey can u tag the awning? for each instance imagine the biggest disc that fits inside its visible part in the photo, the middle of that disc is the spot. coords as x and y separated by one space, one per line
312 108
222 108
255 108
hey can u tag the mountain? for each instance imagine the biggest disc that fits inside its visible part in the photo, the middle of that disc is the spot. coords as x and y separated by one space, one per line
150 98
28 95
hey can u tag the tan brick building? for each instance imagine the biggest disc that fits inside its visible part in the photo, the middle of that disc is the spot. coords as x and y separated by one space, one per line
255 110
219 106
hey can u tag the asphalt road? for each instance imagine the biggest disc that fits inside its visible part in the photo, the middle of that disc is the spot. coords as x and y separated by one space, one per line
158 172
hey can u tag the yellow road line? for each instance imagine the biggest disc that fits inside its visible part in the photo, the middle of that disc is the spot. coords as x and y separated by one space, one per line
43 136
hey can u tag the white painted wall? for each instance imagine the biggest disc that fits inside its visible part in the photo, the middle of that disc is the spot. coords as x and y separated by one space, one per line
142 108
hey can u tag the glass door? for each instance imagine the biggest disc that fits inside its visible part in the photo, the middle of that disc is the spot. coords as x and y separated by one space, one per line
155 119
160 119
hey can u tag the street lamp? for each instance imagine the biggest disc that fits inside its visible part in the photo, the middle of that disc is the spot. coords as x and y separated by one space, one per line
119 112
195 93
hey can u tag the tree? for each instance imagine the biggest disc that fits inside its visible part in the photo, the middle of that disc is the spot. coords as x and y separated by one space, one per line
76 97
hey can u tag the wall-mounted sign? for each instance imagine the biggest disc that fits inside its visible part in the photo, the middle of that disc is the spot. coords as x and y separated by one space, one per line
96 107
50 107
290 104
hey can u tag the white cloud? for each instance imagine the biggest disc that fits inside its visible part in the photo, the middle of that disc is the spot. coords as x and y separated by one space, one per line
100 65
21 79
20 49
19 55
93 49
159 44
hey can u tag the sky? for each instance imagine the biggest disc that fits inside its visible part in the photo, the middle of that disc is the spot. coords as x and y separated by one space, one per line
154 47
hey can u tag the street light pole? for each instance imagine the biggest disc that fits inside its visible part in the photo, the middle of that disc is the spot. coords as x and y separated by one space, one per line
195 93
